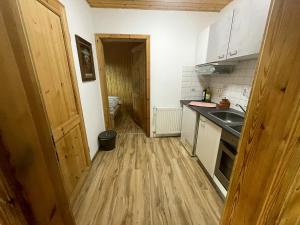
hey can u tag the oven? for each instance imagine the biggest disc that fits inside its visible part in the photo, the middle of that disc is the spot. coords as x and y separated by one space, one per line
226 156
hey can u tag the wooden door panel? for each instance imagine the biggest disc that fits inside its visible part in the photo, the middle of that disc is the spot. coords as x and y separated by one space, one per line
48 48
49 53
61 130
139 104
38 29
70 152
63 67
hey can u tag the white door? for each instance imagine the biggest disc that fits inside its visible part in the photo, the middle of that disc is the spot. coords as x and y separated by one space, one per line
208 140
188 128
249 21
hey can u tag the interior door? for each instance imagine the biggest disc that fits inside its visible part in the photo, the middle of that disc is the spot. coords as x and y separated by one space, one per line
139 86
46 36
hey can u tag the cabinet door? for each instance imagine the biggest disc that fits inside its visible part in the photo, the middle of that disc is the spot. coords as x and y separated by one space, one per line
46 37
202 46
219 36
248 27
188 125
208 141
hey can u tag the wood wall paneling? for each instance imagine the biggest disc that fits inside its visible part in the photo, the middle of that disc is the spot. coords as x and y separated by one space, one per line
186 5
126 77
118 61
265 183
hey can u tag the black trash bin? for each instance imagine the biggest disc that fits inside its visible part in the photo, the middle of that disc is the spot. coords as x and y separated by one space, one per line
107 140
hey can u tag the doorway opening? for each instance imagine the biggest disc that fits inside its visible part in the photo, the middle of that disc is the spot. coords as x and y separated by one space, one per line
124 64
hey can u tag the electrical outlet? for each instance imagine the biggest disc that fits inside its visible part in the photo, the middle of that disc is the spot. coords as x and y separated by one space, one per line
219 92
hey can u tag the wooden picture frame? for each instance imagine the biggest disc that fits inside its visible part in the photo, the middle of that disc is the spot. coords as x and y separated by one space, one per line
86 61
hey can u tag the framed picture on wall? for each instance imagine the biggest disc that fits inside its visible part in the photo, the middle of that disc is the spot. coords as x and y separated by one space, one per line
86 61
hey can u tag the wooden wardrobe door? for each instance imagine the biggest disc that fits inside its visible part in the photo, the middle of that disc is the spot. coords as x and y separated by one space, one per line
49 52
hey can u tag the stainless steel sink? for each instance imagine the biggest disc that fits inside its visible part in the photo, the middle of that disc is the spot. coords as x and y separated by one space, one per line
237 128
228 117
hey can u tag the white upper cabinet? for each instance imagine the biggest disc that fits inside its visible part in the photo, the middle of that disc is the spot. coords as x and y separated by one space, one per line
219 36
201 52
248 27
239 31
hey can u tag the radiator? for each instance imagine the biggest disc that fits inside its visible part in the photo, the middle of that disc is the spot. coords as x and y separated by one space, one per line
167 121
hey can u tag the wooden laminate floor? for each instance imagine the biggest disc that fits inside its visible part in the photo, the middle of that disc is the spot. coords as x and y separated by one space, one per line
125 124
146 181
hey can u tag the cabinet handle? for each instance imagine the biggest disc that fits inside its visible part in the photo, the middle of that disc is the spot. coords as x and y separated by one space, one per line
221 56
233 53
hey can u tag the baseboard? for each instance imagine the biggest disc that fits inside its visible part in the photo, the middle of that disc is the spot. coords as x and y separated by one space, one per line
211 180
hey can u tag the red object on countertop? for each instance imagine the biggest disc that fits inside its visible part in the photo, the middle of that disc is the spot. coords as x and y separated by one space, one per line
224 104
203 104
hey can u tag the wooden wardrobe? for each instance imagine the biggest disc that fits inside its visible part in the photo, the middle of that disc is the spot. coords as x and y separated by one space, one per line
42 127
51 55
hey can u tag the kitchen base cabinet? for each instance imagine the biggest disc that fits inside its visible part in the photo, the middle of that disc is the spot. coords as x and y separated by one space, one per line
188 129
208 140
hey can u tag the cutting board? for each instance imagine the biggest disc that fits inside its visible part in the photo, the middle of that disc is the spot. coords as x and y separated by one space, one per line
203 104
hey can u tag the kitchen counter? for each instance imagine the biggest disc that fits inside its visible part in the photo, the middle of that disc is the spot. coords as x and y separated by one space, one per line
204 111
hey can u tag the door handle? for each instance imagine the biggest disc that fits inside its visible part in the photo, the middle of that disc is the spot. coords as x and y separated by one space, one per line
233 53
221 56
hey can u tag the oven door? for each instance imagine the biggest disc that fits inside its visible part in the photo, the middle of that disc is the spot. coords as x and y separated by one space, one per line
225 161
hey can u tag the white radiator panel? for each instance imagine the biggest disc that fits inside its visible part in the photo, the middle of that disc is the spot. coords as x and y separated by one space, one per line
167 121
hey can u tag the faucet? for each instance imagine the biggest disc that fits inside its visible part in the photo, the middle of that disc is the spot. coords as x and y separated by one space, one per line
242 108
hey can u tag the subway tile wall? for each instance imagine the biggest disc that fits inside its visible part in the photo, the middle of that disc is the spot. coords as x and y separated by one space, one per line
235 86
192 84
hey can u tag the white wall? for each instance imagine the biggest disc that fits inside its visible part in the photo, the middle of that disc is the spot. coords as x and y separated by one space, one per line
80 22
173 43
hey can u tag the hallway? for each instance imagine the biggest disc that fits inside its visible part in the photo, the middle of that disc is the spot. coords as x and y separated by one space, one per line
147 181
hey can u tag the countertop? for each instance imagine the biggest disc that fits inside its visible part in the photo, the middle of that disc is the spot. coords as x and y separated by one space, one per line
205 112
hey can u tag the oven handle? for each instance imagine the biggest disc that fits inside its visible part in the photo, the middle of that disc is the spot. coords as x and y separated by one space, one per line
228 149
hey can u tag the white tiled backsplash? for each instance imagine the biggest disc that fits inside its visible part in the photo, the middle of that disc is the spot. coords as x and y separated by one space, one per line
235 86
192 84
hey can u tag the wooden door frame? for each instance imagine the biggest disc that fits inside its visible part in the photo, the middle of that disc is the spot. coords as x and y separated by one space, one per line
102 73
